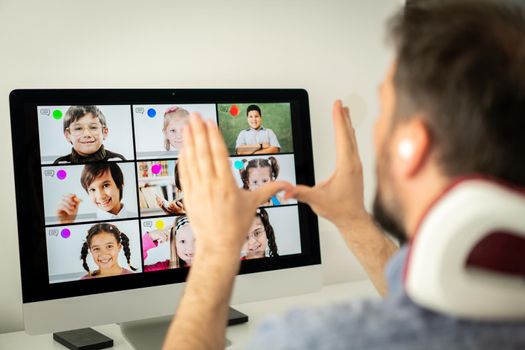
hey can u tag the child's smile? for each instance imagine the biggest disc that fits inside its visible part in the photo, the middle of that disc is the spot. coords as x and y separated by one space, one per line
256 241
105 194
185 244
86 134
105 249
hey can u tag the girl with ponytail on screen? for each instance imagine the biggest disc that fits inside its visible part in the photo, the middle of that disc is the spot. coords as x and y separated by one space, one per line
182 245
260 240
175 118
259 171
104 242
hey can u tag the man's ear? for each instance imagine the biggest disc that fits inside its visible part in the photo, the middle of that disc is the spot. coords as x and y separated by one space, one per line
105 132
412 147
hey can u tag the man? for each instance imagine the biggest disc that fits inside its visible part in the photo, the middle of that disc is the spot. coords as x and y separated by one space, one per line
451 105
256 139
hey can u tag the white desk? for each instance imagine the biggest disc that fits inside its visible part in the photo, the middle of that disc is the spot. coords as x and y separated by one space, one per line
238 335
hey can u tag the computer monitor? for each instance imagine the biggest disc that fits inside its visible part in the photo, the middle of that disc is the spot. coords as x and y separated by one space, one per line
101 226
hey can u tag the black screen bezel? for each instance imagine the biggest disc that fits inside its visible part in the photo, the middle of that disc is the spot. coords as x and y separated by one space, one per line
29 194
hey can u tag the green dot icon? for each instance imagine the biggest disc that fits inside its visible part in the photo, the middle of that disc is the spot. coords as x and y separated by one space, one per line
57 114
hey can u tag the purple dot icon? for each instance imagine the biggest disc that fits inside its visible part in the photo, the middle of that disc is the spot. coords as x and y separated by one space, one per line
61 174
156 168
65 233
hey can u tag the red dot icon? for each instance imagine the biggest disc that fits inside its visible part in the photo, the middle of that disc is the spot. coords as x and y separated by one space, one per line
234 110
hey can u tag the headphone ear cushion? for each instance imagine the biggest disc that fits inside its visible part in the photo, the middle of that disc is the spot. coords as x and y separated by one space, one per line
467 256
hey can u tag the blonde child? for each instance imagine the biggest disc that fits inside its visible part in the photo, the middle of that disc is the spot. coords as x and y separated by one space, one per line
104 242
182 245
175 118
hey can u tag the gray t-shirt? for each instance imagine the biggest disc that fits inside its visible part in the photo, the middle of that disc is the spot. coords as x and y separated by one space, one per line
395 323
254 136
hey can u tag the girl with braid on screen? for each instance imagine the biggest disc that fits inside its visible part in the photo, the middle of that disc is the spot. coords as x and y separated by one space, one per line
259 171
182 245
260 240
104 242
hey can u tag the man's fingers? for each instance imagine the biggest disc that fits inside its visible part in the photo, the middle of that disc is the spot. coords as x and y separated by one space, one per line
352 130
202 147
185 158
262 194
343 132
302 193
219 153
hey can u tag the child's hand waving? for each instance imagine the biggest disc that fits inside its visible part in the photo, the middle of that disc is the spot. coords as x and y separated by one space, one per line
68 208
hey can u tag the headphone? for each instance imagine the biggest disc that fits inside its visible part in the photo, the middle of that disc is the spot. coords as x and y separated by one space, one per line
467 258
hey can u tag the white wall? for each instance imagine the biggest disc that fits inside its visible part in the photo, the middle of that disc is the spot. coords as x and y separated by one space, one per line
334 49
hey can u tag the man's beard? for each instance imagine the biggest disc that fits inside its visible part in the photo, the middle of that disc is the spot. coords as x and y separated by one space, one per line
388 222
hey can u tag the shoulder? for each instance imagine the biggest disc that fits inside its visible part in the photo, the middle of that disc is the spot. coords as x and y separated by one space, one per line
329 327
160 265
110 155
63 159
244 131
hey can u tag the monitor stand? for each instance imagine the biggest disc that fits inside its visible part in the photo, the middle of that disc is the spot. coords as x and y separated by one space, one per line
149 334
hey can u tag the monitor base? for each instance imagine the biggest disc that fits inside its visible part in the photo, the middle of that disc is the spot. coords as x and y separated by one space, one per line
149 334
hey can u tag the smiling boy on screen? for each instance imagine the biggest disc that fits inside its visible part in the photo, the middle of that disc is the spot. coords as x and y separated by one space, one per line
256 139
86 129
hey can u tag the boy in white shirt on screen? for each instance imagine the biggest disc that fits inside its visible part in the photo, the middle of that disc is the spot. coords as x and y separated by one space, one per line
256 139
104 183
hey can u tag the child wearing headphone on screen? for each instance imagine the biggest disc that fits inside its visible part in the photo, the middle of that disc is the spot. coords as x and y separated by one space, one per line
105 242
182 245
260 240
175 118
259 171
104 183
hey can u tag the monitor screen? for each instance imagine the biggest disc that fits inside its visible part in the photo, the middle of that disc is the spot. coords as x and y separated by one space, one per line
99 204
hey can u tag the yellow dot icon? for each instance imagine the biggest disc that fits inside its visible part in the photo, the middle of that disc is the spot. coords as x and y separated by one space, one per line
159 224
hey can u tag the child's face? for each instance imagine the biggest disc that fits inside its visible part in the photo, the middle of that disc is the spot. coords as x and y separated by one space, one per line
254 119
258 177
256 241
86 134
173 131
185 244
105 194
105 249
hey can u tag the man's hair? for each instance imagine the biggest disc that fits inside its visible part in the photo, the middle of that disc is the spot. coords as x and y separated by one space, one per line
93 171
253 108
74 113
461 64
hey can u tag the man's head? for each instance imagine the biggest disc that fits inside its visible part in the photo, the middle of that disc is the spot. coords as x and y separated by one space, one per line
452 104
254 116
85 128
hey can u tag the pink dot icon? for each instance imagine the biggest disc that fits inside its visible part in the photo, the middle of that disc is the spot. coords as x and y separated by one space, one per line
65 233
156 168
61 174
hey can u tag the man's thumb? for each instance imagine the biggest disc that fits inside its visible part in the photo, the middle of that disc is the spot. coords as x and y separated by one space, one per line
302 193
263 193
